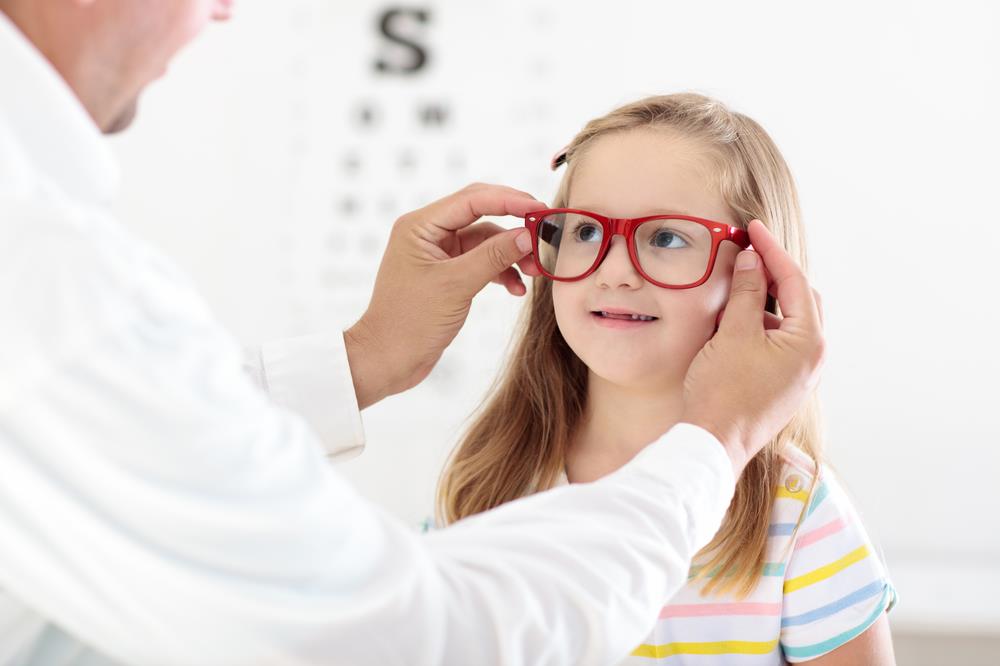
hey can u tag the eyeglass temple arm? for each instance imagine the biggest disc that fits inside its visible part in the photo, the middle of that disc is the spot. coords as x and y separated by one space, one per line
740 237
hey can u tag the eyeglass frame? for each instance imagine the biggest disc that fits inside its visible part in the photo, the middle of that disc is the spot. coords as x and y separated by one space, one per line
625 227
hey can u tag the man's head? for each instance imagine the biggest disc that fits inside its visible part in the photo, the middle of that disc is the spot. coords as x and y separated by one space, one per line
110 50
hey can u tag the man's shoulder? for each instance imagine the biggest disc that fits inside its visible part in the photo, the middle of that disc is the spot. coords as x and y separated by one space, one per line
48 242
69 273
51 242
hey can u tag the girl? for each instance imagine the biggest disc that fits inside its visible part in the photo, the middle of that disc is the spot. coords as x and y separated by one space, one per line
638 256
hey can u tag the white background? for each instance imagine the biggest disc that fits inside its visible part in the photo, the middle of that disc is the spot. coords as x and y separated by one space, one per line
250 167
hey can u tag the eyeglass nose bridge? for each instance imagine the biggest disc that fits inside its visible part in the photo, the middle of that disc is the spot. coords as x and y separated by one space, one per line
618 225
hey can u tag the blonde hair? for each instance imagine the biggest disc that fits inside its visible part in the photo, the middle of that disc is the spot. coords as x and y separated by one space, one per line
516 443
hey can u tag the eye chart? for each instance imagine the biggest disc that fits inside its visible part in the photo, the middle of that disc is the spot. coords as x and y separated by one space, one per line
402 121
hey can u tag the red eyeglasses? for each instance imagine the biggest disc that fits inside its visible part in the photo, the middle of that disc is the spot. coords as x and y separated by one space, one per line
670 251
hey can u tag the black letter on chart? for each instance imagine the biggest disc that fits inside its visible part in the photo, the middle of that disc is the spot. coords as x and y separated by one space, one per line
390 24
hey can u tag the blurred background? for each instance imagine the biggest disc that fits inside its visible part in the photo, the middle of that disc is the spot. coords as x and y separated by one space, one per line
273 160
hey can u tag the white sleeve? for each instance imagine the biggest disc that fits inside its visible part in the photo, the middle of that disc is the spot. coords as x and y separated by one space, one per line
310 376
159 507
578 574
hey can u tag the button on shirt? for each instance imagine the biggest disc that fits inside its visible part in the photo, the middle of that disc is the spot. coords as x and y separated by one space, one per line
158 507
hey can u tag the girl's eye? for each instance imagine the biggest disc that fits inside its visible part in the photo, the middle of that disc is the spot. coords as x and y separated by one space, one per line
665 238
588 233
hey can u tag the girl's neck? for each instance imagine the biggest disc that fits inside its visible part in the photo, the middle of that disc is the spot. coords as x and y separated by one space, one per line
617 423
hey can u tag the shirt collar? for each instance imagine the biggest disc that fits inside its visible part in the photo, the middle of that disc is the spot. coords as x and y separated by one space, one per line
57 135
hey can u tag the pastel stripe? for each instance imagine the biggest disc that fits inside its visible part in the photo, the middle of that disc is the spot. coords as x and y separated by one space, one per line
766 647
769 569
826 571
773 569
820 495
780 529
816 649
702 610
866 592
717 647
831 527
800 495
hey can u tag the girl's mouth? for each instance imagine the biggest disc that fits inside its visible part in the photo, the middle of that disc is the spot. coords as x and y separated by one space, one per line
623 315
621 319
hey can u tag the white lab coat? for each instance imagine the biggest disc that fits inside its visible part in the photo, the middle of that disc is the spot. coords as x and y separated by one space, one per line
158 507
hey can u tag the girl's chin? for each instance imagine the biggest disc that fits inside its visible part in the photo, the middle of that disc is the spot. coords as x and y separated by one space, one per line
637 377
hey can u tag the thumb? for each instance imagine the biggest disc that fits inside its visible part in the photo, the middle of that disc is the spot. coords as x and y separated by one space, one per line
744 314
482 264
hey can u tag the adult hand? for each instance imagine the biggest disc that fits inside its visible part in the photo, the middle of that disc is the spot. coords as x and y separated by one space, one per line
748 381
436 261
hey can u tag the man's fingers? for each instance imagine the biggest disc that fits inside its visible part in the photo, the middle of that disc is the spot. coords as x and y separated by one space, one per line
510 279
795 297
819 306
528 266
771 320
464 207
744 313
471 237
771 286
484 263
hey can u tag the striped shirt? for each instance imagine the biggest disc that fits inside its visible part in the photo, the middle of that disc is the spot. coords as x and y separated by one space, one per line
822 585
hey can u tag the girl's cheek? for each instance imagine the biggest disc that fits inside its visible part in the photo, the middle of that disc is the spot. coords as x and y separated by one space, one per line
720 285
563 305
557 303
710 306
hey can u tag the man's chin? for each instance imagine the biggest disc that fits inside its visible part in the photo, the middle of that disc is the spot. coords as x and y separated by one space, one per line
123 120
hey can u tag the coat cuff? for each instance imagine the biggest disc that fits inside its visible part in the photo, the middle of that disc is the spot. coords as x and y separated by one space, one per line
310 376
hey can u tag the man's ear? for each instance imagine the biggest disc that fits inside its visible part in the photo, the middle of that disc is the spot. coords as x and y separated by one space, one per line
222 10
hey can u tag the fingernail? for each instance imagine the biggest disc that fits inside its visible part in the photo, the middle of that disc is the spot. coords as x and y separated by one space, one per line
746 260
523 241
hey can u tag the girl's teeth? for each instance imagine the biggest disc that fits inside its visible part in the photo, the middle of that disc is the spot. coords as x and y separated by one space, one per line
634 317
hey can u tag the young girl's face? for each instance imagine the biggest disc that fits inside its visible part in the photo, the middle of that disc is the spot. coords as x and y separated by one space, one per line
635 174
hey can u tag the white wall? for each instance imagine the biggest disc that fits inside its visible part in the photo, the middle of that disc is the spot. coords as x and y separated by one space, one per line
240 167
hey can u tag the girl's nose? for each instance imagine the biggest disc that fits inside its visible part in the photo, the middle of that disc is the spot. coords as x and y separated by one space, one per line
617 270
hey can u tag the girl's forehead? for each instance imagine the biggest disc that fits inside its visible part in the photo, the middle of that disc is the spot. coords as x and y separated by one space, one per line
645 172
